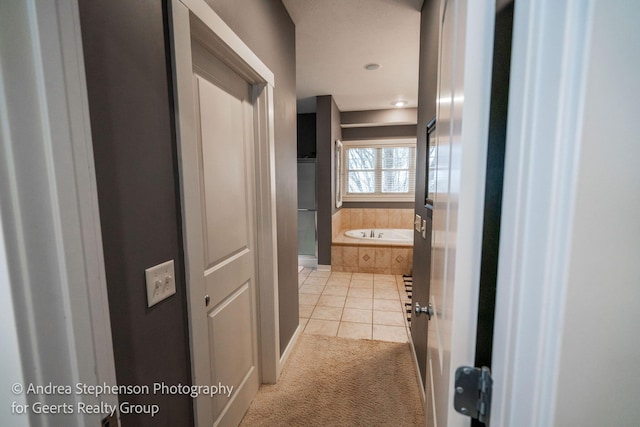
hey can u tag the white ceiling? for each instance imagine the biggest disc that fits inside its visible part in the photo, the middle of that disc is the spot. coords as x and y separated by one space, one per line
336 38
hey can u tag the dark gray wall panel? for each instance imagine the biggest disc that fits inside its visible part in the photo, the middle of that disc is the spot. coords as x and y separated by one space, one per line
427 91
379 132
307 135
494 182
327 132
265 26
133 135
389 117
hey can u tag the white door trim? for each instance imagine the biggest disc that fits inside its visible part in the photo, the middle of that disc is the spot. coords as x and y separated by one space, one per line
548 73
49 206
194 18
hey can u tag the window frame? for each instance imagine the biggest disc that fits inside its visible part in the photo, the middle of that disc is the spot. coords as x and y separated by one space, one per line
378 195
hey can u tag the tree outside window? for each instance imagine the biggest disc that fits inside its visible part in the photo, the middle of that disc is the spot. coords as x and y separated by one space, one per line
382 172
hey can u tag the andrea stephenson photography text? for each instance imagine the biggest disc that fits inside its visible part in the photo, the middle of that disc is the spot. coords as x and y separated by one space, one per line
37 402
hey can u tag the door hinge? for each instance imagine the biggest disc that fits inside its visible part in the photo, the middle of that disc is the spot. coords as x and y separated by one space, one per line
472 396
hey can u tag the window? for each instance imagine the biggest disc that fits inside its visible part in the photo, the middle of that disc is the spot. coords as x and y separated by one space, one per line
384 171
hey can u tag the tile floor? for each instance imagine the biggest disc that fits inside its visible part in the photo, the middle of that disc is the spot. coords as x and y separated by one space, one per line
353 305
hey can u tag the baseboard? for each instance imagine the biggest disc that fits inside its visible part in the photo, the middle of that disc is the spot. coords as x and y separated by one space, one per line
324 267
288 350
417 370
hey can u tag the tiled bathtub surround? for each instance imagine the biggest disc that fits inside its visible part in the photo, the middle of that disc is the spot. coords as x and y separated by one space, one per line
355 256
371 259
352 218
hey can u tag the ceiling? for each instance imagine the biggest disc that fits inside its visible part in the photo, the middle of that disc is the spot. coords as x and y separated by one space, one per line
335 39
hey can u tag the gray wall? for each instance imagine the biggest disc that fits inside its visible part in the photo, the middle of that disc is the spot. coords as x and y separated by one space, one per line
427 90
388 117
130 105
327 131
132 122
265 26
379 124
379 132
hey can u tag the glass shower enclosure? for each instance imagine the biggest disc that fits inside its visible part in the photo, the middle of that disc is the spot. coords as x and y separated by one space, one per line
307 214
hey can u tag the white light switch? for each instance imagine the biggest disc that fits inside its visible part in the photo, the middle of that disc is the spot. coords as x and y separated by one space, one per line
161 282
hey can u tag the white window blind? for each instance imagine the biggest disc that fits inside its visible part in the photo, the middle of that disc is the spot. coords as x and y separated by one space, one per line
375 171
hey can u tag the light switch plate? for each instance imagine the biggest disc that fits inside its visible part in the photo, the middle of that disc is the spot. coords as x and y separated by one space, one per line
161 282
417 222
424 229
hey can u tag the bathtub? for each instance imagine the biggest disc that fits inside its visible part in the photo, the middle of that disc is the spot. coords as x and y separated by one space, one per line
390 251
381 235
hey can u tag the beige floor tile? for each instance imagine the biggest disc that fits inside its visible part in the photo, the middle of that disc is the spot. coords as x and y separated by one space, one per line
387 333
311 289
360 293
387 305
316 280
322 327
331 301
338 282
391 318
327 313
322 274
357 315
340 275
384 278
385 285
308 299
362 303
335 290
362 276
356 331
303 322
306 310
386 294
364 284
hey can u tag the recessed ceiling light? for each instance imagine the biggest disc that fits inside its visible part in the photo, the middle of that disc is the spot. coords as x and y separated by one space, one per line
372 66
399 103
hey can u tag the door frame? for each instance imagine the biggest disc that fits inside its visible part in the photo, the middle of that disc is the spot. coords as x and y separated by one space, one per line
55 309
195 18
547 90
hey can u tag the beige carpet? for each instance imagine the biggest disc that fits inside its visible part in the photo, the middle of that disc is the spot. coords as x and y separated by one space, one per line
332 381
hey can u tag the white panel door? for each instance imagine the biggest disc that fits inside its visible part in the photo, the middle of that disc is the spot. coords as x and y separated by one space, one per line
466 35
224 114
